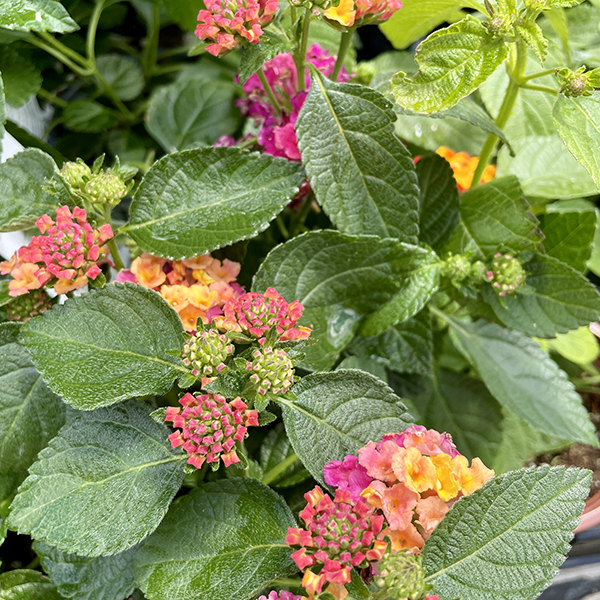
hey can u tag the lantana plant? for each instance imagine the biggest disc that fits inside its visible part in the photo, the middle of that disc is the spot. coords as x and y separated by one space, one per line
283 324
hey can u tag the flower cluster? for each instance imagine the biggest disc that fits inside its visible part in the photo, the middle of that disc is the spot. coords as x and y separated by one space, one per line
227 23
412 478
27 306
255 314
205 353
362 12
65 256
272 370
283 595
464 167
508 274
209 427
197 288
339 534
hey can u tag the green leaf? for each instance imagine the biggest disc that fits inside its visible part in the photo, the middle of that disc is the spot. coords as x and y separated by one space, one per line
557 17
192 112
404 348
492 216
339 279
30 414
195 201
255 56
100 578
2 111
533 36
506 540
338 412
420 279
546 169
88 116
463 407
439 206
548 4
107 346
558 298
580 346
22 198
362 175
453 63
123 74
276 447
368 364
577 121
521 376
418 18
569 236
221 541
36 15
24 584
185 12
102 485
22 78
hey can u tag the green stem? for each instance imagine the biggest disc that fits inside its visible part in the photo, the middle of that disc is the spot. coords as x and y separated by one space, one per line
540 88
345 43
269 90
271 475
302 215
110 92
301 56
150 53
539 74
64 49
58 54
295 583
90 45
112 244
284 231
46 95
505 111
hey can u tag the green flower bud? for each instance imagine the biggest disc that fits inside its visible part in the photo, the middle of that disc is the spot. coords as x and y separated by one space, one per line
272 370
76 174
205 353
22 308
365 73
479 273
576 83
401 575
500 25
508 274
457 268
106 188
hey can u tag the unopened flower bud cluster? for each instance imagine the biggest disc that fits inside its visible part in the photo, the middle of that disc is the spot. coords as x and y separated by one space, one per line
205 353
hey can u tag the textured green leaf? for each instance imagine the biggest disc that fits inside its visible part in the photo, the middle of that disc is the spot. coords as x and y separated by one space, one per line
506 540
405 348
255 56
195 201
221 541
185 12
123 74
558 298
338 412
561 3
276 447
439 206
36 15
546 169
22 197
521 376
100 578
418 18
569 236
102 485
30 414
362 175
25 584
463 407
533 36
453 62
2 111
22 78
88 116
192 112
577 121
339 279
492 216
106 346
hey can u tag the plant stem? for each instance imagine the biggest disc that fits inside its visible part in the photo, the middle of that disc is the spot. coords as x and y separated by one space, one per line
150 53
301 54
112 244
52 41
539 74
284 232
505 111
540 88
288 583
58 54
34 564
271 475
46 95
302 215
345 43
90 45
268 89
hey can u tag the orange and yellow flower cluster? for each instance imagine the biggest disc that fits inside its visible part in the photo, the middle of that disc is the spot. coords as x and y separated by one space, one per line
362 12
197 288
463 165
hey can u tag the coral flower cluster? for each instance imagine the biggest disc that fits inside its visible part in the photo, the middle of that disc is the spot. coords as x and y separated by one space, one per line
255 314
228 23
339 534
283 595
463 166
197 288
65 256
362 12
209 427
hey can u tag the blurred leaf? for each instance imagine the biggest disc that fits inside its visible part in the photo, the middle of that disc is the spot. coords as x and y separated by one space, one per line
88 116
25 584
123 74
22 77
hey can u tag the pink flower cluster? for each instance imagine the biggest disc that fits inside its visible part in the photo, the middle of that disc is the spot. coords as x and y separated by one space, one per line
283 595
362 12
65 256
210 425
339 534
228 23
255 314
